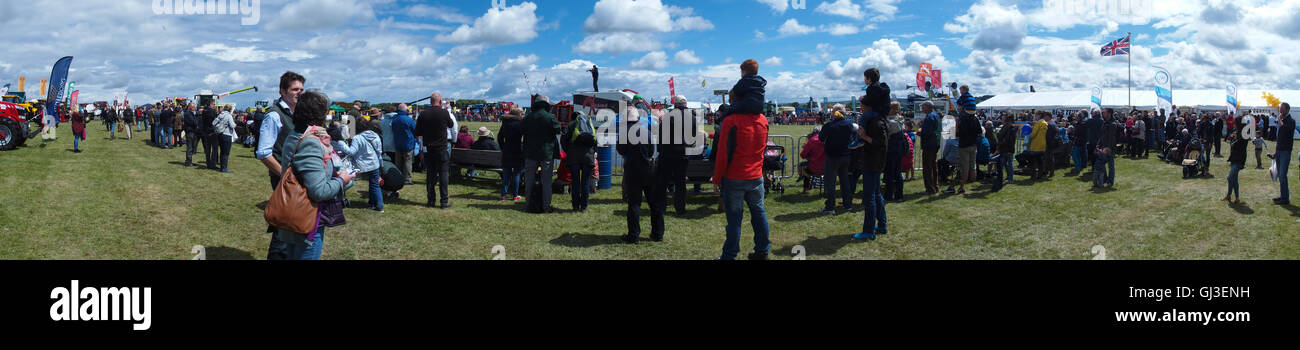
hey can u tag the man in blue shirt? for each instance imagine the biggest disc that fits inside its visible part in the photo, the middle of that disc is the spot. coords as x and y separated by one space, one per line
404 140
276 126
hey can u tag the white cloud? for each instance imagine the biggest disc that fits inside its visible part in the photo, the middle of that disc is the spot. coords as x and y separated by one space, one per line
991 26
510 25
321 14
515 64
778 6
656 60
885 8
441 13
574 65
628 16
772 61
686 57
846 8
615 43
791 27
841 29
249 53
897 65
612 22
758 34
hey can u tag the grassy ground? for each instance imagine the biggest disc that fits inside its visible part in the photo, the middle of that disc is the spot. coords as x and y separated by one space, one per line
122 199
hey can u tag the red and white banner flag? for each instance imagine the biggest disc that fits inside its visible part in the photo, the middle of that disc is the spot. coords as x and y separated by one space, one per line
936 78
73 104
672 88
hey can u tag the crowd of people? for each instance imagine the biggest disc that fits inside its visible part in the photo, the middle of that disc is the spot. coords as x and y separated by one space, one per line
873 146
1047 140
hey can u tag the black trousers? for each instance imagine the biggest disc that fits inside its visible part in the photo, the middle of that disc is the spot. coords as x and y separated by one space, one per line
634 187
191 144
672 172
210 151
224 142
435 165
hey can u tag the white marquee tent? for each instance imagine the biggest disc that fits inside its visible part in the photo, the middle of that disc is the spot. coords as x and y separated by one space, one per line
1143 99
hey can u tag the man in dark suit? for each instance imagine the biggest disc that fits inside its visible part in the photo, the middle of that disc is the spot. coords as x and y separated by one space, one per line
209 137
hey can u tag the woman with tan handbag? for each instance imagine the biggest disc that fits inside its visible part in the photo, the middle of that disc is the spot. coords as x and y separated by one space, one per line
305 197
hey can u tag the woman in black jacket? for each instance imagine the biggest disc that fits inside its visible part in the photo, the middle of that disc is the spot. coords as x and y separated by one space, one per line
512 153
1006 150
1236 161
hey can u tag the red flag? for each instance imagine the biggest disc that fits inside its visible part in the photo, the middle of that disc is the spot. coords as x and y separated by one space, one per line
920 82
73 104
672 88
936 78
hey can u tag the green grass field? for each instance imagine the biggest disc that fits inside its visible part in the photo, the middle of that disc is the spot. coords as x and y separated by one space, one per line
122 199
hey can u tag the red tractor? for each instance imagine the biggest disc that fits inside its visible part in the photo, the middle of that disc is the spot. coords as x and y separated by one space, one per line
14 125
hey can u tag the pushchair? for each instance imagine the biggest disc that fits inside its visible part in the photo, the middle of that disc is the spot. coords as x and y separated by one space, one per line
1192 164
773 167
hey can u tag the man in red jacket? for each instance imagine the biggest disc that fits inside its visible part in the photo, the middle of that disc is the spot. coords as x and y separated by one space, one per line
739 170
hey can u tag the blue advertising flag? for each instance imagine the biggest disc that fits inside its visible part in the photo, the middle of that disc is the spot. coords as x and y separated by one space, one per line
58 82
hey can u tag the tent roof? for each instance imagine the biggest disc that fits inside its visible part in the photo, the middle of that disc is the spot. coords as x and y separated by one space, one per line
1199 99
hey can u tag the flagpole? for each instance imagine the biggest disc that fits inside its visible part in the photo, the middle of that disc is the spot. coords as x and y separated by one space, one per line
1130 69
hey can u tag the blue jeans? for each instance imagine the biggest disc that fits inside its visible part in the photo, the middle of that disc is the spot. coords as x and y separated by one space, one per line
855 176
75 138
1079 156
376 193
1283 159
874 205
1002 163
112 129
1103 171
166 136
750 193
510 182
310 251
1232 180
140 126
1009 165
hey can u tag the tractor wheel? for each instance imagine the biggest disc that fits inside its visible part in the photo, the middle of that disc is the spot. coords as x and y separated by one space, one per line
9 135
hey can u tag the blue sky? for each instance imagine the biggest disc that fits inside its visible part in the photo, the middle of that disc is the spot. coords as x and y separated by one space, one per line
395 50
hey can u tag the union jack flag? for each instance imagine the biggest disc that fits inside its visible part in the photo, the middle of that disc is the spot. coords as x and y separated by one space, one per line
1117 47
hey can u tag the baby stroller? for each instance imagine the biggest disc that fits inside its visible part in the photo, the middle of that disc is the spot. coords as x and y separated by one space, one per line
1192 164
773 167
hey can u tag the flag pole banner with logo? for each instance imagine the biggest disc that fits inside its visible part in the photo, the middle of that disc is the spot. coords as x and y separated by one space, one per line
922 74
672 89
1164 91
1232 98
1096 98
58 80
4 90
73 97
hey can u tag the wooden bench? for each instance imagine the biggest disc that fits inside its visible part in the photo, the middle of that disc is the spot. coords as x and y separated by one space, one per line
470 159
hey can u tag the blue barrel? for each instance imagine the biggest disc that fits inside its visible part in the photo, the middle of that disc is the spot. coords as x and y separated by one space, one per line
605 156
